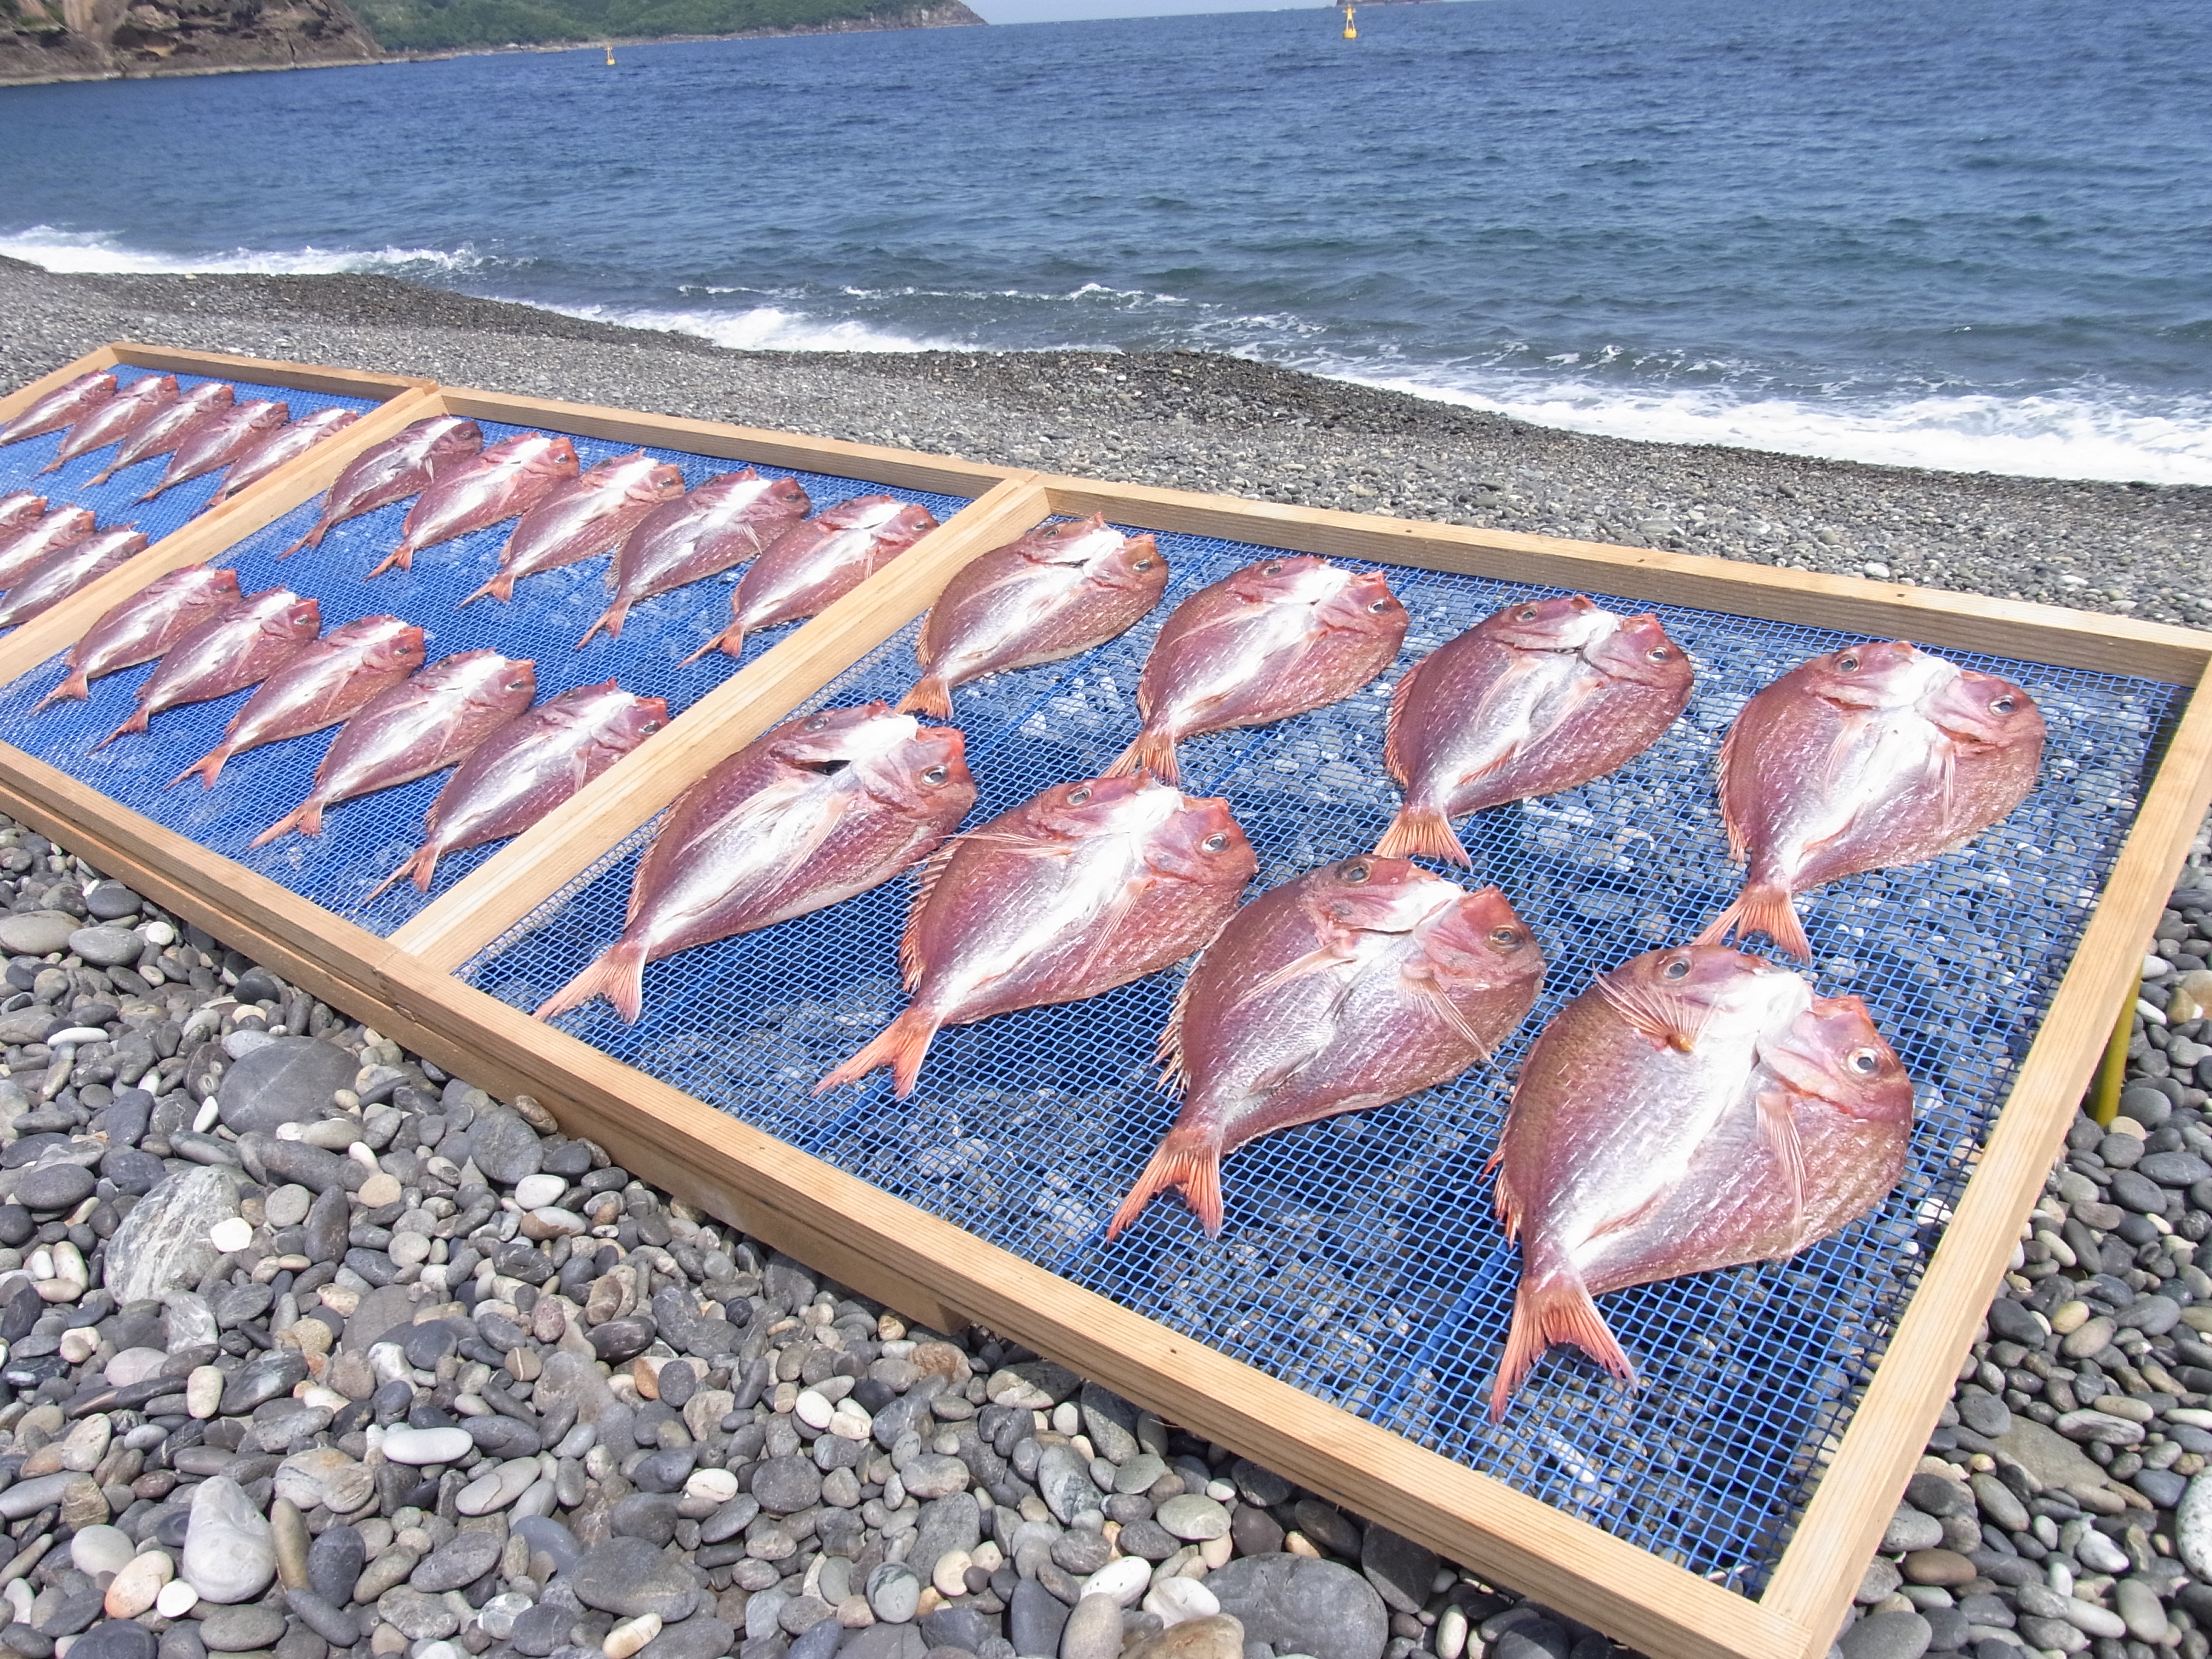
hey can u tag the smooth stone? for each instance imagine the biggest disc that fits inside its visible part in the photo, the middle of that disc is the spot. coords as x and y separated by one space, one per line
287 1530
325 1475
37 933
135 1365
949 1523
1122 1583
101 1549
287 1080
2048 1455
242 1629
894 1592
177 1599
467 1557
116 1638
504 1147
330 1620
1214 1637
50 1187
1303 1604
335 1561
1093 1631
1139 1474
107 947
1177 1600
418 1617
230 1554
1193 1517
162 1246
629 1576
139 1584
423 1447
1063 1479
551 1538
1887 1636
1035 1619
2192 1527
542 1629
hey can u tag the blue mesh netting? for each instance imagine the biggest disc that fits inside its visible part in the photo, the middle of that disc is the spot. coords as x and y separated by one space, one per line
365 838
115 503
1362 1261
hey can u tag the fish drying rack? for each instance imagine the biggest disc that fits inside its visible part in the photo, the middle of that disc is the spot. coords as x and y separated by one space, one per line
1345 1326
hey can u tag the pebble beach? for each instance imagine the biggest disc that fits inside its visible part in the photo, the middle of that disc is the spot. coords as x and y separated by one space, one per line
312 1348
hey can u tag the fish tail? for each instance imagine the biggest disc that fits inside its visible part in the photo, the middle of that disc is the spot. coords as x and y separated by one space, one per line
139 719
902 1045
611 620
312 539
1188 1161
306 819
731 640
930 696
1763 906
55 466
100 477
500 587
1154 751
1552 1309
209 767
419 863
1422 832
154 492
403 555
76 686
619 974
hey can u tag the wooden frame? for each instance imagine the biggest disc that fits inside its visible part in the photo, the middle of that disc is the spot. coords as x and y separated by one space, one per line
941 1274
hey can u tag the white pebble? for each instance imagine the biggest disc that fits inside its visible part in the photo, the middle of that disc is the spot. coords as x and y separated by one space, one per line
1124 1582
627 1638
813 1410
851 1421
205 1119
1065 1418
177 1599
535 1191
231 1233
714 1485
1178 1599
949 1575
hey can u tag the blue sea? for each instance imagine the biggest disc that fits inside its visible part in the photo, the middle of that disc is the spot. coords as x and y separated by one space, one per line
1975 235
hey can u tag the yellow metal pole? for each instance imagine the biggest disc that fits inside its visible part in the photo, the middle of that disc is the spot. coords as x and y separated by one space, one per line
2112 1071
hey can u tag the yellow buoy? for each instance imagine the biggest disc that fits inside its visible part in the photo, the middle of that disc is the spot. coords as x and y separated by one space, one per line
610 55
1351 30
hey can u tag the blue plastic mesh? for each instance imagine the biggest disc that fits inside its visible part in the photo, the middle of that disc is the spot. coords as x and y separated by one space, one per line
365 838
1361 1261
115 503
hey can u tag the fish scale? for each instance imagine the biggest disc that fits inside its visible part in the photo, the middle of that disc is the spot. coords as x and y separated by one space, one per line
715 528
281 448
61 573
811 565
501 482
581 518
115 420
40 539
240 647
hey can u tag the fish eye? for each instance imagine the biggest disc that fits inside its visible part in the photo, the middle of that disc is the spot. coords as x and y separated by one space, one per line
1505 939
816 722
1658 654
651 727
1077 797
1849 662
1272 568
2004 705
1142 564
1382 604
1355 872
936 775
1526 613
1216 841
1865 1061
1677 968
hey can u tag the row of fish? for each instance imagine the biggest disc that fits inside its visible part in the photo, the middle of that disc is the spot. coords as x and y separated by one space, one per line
661 535
47 553
400 720
203 429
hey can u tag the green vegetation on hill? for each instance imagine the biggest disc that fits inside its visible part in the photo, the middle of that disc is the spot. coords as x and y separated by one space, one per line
436 24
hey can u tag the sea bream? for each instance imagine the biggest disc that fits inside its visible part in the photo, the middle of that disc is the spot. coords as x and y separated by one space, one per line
1867 758
422 726
1695 1109
1272 640
65 406
528 767
1355 985
168 428
68 570
219 438
812 565
582 519
1059 590
718 526
116 419
141 628
40 539
505 481
240 647
19 510
1085 887
324 683
1537 697
820 809
394 470
281 448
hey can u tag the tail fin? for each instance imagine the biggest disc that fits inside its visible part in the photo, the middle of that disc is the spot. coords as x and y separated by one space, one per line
101 477
902 1045
403 555
1422 832
420 864
619 974
500 587
208 766
1188 1161
76 686
137 722
611 620
930 696
55 466
306 819
1153 751
154 492
731 640
1763 906
1555 1309
312 539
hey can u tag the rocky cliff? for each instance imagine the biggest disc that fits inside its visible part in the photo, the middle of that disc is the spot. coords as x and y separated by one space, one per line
56 40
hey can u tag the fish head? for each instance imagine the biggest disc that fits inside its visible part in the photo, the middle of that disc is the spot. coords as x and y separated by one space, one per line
1200 840
785 495
664 482
451 440
387 643
1096 806
1371 893
214 394
287 615
910 523
1879 674
266 416
1295 577
920 770
639 721
1568 621
1637 648
1673 995
1832 1051
1363 604
221 584
516 683
1986 711
1479 939
76 522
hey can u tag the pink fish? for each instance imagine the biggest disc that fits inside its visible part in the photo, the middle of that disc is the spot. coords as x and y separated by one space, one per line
144 626
582 519
1059 590
1695 1109
420 726
242 646
281 448
40 539
718 526
809 814
19 510
116 419
168 428
66 405
394 470
324 683
59 575
1536 698
1271 640
219 437
1360 983
1083 887
812 565
1867 758
528 767
507 480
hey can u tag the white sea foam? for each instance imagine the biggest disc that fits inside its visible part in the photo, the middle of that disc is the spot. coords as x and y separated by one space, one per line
99 252
764 328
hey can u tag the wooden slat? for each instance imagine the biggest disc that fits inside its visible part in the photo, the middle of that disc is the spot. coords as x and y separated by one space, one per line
1964 622
505 889
23 397
210 534
908 467
823 1216
1841 1527
269 371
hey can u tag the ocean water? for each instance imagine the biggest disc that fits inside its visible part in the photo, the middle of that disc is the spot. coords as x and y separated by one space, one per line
1975 235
